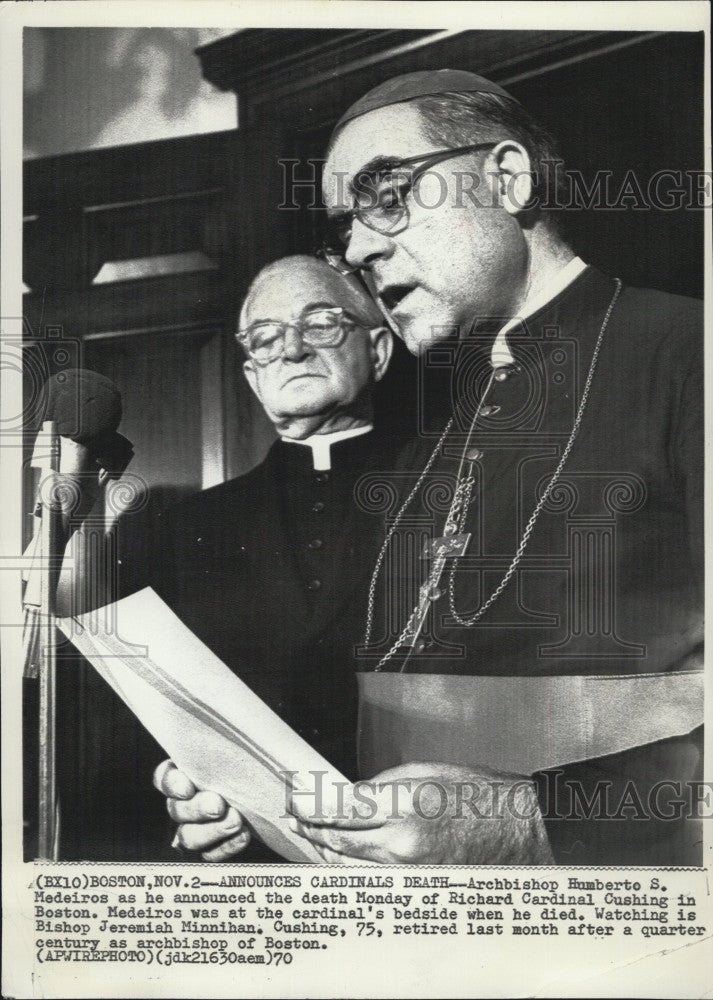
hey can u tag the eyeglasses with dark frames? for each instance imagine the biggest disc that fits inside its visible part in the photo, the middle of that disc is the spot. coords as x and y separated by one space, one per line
264 341
381 204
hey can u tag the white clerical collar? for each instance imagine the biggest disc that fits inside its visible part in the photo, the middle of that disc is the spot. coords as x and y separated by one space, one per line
500 355
321 444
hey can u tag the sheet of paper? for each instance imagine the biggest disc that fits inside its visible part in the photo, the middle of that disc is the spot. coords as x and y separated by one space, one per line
210 723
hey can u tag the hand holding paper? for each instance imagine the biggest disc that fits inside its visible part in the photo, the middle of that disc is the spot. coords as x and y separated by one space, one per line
422 813
222 737
208 823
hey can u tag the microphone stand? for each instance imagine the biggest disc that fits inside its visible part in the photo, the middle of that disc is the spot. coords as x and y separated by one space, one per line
63 502
48 824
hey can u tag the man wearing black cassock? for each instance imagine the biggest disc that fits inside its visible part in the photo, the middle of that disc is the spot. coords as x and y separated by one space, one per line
271 569
555 631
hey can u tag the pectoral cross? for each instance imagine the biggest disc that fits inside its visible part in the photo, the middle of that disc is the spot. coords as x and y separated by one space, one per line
438 550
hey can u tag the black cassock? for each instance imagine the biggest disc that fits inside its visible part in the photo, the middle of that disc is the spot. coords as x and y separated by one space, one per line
271 571
609 585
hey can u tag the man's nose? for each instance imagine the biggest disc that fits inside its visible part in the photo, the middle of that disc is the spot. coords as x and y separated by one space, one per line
366 245
294 347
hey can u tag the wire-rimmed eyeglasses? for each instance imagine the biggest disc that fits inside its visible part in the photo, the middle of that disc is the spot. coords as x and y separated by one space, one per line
380 196
264 340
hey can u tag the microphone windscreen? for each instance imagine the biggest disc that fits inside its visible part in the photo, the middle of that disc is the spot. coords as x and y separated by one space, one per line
83 404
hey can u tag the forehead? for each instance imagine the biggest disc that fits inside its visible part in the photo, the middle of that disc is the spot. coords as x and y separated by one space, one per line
283 293
395 131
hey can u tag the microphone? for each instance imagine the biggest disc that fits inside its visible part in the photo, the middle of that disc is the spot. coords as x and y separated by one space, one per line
86 409
81 410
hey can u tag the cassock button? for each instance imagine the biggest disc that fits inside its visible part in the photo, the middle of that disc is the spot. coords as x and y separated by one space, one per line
314 584
420 646
316 543
489 411
501 374
321 478
434 593
473 454
318 507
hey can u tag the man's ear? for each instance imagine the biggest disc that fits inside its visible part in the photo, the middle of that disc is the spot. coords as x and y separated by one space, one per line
382 344
251 376
513 176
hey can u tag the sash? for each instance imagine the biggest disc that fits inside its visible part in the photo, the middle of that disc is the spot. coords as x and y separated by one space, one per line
519 724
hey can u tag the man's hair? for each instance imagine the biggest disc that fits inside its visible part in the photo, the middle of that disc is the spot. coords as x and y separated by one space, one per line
460 119
362 304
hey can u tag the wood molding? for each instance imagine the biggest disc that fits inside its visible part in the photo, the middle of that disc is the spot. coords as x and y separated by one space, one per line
100 177
267 58
180 304
308 77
